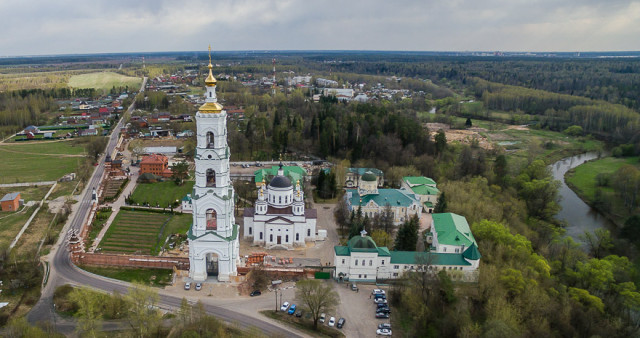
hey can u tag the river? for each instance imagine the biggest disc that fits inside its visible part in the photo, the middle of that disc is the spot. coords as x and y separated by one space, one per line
580 217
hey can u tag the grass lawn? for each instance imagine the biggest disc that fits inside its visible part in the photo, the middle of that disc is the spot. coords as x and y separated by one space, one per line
33 162
10 224
104 81
153 277
303 324
161 193
583 177
31 193
28 244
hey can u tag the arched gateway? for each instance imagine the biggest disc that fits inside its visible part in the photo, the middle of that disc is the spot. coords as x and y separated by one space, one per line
213 237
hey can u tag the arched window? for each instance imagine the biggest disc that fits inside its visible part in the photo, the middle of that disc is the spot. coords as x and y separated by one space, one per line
211 178
210 141
308 232
356 262
271 238
212 220
249 230
280 200
210 94
363 262
297 237
286 238
260 235
370 262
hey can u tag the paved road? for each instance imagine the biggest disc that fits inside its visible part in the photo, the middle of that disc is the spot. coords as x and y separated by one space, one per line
64 271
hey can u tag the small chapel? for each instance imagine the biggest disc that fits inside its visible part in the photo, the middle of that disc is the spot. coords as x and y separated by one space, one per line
280 219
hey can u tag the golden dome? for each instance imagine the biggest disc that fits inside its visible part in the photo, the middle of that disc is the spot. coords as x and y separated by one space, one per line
211 107
210 81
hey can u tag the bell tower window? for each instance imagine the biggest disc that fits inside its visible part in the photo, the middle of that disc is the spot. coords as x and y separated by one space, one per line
210 142
211 178
212 220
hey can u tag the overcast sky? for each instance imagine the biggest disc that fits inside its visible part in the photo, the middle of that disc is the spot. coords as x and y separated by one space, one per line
31 27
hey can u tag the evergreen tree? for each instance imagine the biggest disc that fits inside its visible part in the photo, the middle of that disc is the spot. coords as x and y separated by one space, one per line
468 123
441 205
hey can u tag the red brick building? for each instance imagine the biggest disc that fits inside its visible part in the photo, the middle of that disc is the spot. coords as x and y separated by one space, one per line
10 202
156 164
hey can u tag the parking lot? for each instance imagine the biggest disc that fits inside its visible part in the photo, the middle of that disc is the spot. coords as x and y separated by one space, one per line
358 309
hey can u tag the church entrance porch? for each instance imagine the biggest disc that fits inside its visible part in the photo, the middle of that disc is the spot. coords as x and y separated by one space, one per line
279 240
212 265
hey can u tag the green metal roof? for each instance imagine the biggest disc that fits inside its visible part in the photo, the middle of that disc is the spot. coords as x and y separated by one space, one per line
452 229
418 180
294 173
369 176
341 250
430 258
428 204
362 171
425 190
394 197
472 253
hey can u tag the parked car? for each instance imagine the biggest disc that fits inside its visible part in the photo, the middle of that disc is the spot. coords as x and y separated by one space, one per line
322 317
379 295
384 326
187 286
380 301
378 292
384 332
354 287
198 286
284 306
382 315
292 309
341 322
379 305
383 310
255 293
332 321
386 308
299 313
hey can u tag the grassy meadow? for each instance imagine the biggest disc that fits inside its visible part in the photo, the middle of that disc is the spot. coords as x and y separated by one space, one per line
42 161
104 81
161 193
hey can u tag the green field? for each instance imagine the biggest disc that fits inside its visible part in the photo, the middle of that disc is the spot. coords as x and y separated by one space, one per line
583 177
142 232
42 161
153 277
161 193
11 223
104 81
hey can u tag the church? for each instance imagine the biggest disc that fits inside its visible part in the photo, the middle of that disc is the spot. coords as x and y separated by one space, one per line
280 219
213 236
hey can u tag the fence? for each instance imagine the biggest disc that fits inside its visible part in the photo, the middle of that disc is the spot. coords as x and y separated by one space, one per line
137 261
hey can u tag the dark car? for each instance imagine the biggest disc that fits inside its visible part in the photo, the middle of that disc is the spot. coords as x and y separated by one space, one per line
255 293
299 313
384 326
379 305
382 315
341 322
383 310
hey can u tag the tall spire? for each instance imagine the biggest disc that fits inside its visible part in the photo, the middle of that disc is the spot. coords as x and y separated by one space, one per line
209 54
210 81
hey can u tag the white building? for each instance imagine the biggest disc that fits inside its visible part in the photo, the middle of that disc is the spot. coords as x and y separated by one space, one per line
279 218
363 261
213 237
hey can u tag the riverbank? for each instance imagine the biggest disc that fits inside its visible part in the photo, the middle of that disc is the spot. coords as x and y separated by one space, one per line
582 180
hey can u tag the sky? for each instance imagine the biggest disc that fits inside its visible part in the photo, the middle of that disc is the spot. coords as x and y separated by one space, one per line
34 27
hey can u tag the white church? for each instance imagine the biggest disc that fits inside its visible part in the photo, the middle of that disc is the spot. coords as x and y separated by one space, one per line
213 237
279 219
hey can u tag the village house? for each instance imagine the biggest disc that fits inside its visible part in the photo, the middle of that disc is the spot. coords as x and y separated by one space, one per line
11 202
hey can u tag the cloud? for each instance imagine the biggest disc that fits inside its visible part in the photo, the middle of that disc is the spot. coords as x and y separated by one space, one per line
73 26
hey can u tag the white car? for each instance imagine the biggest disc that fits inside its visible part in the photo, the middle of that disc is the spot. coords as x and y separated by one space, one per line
378 292
187 286
322 317
380 301
383 332
332 321
284 306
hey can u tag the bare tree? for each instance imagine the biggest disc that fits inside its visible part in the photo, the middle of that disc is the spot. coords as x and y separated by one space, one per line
317 298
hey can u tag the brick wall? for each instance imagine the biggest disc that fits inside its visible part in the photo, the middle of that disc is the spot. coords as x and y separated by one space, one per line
137 261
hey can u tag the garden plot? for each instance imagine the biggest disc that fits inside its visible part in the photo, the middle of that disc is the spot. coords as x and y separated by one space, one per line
136 232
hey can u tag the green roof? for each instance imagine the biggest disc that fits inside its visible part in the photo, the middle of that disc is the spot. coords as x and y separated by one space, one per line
428 204
362 171
418 180
425 190
294 173
472 253
430 258
452 229
369 176
361 244
394 197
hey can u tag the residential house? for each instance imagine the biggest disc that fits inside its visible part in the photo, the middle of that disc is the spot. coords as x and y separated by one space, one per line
10 202
156 164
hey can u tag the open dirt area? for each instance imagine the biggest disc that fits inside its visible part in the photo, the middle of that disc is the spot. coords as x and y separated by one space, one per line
466 136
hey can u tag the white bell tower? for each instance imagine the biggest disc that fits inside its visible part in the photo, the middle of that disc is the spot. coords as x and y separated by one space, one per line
213 237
